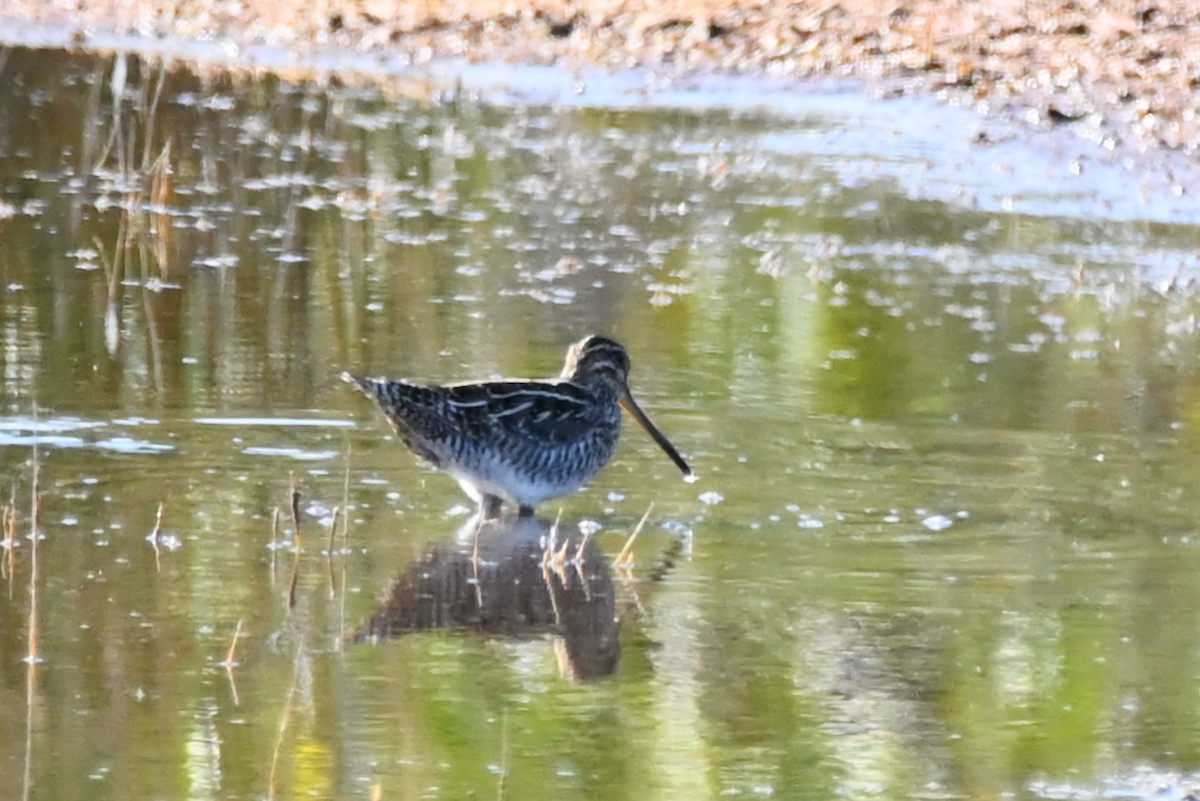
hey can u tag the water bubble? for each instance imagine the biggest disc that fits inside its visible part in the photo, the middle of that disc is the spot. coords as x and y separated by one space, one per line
170 542
937 523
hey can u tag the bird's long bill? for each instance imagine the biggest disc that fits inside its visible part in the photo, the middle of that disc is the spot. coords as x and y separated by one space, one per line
627 402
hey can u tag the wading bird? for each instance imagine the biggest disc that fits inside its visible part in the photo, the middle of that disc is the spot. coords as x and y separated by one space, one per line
522 441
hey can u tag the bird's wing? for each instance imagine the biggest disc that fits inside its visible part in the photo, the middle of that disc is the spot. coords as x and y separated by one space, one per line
555 413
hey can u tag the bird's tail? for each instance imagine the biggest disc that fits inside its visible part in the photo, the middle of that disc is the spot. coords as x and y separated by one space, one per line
365 385
392 396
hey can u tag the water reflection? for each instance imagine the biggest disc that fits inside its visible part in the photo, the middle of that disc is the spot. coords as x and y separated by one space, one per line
512 576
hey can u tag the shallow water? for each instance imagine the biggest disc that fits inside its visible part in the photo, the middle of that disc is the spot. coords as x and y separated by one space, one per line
941 398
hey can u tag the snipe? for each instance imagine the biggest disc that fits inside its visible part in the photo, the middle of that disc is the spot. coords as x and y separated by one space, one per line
522 441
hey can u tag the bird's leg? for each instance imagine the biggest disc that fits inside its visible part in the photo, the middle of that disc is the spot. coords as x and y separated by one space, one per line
489 509
475 564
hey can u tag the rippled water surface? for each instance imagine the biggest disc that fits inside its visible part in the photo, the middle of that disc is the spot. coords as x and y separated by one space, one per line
941 402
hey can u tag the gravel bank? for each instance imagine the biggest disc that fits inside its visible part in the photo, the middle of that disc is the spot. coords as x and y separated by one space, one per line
1124 74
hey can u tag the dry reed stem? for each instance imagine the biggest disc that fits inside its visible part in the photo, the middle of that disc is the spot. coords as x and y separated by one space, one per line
150 175
587 536
113 272
153 336
623 559
31 660
274 544
578 563
337 513
160 197
233 690
149 167
656 573
291 596
10 542
154 537
283 721
475 550
560 560
345 543
232 652
35 514
94 102
346 496
295 507
550 547
548 575
229 664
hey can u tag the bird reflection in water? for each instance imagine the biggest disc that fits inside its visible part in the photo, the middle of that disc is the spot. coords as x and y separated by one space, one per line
512 576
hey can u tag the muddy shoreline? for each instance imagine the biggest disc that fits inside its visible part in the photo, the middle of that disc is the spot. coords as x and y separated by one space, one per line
1123 76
